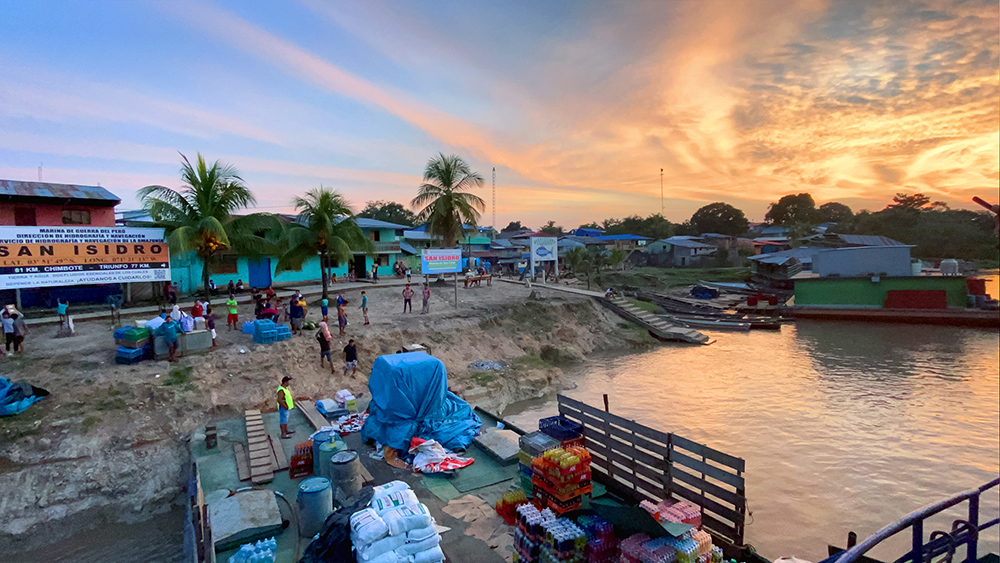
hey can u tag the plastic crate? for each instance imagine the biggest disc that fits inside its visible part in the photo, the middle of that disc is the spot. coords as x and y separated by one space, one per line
122 343
120 332
129 361
134 333
536 443
248 327
560 428
283 329
124 352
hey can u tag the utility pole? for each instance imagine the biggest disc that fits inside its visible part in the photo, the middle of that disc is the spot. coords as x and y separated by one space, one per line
661 192
495 199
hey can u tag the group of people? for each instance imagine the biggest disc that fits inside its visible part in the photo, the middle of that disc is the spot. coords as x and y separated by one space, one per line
408 294
14 330
171 326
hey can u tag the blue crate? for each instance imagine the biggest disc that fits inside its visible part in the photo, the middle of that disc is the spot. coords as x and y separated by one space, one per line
248 327
560 428
129 361
281 337
130 353
120 332
263 324
283 329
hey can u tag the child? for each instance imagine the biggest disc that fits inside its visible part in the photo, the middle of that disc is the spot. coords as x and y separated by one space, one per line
342 318
61 307
210 323
324 306
234 318
324 338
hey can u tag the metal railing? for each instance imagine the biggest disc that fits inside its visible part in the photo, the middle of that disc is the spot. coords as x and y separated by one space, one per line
963 532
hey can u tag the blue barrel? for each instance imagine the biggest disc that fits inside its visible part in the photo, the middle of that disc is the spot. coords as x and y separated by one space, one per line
315 500
318 439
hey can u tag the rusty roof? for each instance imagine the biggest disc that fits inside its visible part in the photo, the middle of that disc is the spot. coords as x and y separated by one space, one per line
16 188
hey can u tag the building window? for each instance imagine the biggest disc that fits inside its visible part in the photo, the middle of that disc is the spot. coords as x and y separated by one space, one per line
226 265
329 262
382 259
24 217
376 236
76 217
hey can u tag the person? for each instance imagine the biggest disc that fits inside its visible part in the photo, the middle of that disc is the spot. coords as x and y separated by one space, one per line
609 293
364 306
298 314
333 277
427 298
269 312
168 330
282 310
233 319
407 298
232 288
198 310
212 289
20 332
175 312
239 286
340 299
61 308
350 358
171 293
285 404
269 293
342 318
408 274
375 272
8 329
210 323
324 338
324 308
258 307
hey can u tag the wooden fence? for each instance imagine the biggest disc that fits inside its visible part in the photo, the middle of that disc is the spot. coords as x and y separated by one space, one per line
645 463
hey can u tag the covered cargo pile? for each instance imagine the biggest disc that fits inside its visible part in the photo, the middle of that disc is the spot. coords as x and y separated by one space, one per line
410 398
16 396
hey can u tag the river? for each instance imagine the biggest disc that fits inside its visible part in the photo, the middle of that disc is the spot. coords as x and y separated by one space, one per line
844 426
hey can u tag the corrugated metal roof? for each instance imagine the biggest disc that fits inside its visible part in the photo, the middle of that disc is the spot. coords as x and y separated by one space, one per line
16 188
685 242
623 237
366 223
419 235
870 240
803 254
407 248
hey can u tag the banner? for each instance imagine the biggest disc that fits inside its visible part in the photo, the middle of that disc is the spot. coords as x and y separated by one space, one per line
58 256
440 261
544 249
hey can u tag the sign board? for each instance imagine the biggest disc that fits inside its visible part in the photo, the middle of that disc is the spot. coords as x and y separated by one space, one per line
544 249
58 256
440 261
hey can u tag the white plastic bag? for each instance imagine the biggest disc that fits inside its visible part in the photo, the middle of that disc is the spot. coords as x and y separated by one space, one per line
367 527
406 518
412 548
427 454
374 549
430 556
388 488
394 500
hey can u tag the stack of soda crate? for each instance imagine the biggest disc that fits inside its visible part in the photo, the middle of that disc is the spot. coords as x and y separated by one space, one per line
564 542
265 331
602 545
532 446
693 546
529 534
568 433
134 344
560 477
283 332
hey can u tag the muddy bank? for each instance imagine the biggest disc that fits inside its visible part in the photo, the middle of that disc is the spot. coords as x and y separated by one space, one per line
110 444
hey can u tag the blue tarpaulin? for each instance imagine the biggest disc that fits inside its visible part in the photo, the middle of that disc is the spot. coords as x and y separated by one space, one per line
410 397
15 397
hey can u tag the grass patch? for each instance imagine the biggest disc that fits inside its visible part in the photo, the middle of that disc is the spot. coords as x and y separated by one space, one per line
89 422
180 377
530 362
112 404
646 306
482 379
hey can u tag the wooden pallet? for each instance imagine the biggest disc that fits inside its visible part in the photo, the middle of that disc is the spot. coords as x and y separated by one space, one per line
260 456
308 409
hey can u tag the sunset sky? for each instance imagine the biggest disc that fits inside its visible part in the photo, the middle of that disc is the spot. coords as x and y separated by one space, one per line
578 105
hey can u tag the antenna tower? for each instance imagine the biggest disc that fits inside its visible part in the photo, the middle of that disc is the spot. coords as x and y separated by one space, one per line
495 199
39 171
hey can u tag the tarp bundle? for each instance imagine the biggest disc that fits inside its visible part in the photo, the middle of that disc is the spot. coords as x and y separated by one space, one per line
410 397
17 396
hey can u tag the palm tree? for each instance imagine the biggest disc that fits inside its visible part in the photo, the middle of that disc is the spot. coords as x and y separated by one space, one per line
200 216
444 198
325 226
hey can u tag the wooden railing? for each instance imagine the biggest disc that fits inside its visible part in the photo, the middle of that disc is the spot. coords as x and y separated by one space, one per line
385 247
644 463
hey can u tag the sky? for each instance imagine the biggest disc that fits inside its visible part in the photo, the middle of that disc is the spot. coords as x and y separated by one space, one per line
578 105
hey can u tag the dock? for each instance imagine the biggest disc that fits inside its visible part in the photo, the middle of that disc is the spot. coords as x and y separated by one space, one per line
659 328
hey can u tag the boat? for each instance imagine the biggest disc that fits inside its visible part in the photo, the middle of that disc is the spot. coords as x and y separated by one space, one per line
708 323
680 308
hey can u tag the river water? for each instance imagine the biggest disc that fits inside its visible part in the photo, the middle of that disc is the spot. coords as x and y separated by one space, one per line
844 426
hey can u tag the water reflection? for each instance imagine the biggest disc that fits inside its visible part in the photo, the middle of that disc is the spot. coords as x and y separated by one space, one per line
844 426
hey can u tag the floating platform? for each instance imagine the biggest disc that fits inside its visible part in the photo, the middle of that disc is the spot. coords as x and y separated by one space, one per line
952 316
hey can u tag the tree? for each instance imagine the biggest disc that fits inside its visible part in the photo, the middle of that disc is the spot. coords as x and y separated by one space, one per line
917 202
591 225
799 208
389 211
720 218
325 227
200 216
834 212
552 229
445 199
512 227
654 226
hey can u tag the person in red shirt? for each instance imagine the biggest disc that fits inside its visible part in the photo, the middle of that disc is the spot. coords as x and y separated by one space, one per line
197 310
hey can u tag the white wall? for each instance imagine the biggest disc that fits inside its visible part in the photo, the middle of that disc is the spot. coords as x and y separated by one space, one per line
863 261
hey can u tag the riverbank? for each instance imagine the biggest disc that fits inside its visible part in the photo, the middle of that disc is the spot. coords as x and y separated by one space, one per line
109 445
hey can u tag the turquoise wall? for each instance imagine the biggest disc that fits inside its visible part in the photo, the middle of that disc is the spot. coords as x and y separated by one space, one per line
864 293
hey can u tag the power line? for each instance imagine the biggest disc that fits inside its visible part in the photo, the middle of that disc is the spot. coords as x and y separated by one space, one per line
494 198
662 209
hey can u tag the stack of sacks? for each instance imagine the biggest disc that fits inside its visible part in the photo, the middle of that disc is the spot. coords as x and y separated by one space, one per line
395 528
